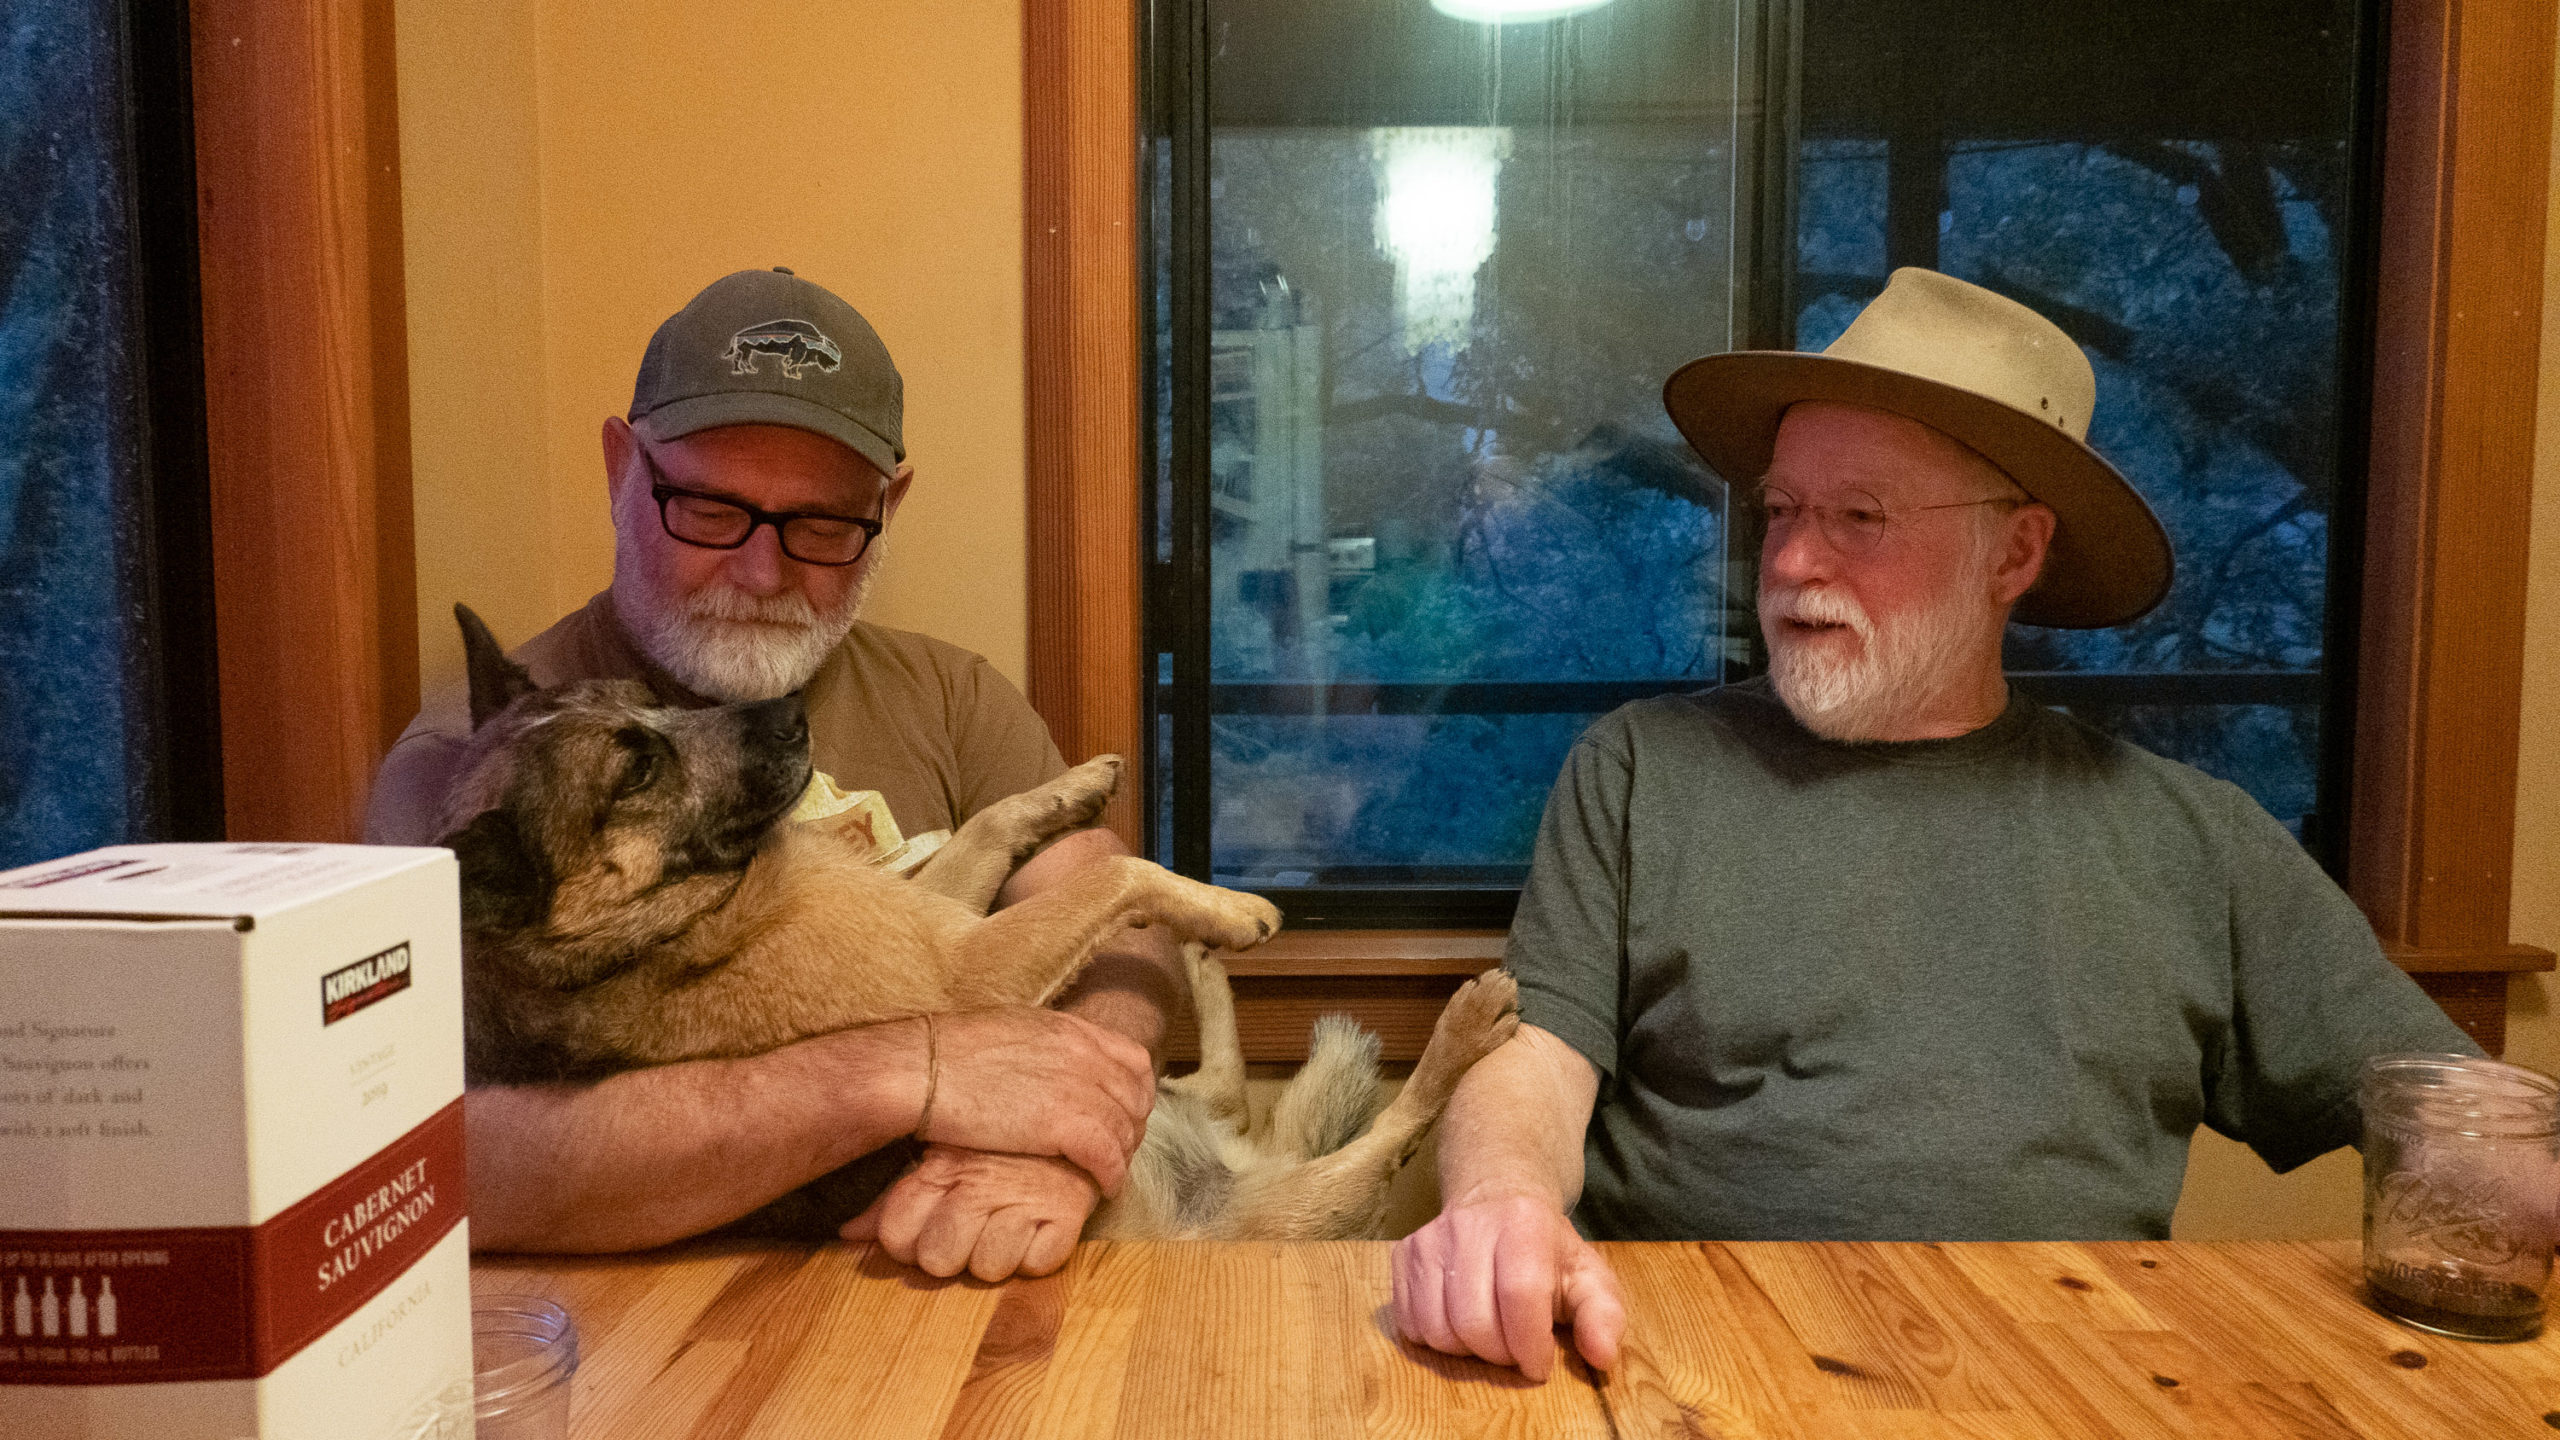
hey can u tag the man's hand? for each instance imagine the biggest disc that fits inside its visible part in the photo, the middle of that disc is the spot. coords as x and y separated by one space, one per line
1492 1278
993 1215
1036 1082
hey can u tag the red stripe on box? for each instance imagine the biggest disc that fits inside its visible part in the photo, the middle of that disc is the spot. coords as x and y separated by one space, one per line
227 1303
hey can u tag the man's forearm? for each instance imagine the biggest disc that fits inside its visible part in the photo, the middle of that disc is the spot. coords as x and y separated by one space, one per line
1134 980
1130 986
649 1156
1516 1123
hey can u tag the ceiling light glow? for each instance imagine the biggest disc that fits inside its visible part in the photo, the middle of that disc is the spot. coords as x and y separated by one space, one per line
1513 12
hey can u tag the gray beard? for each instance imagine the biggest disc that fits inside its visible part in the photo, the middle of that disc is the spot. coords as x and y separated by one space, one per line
1898 671
732 647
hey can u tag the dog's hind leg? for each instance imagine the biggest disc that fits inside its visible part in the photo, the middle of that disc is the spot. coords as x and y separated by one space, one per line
971 867
1343 1195
1219 1082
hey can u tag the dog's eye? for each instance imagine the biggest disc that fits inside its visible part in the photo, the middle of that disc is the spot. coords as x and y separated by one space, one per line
644 763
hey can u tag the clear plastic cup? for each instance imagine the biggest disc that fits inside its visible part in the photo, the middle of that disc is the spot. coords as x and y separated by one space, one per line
523 1351
2459 1180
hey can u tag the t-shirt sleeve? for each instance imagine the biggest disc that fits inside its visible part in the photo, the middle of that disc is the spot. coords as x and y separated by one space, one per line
1000 745
2313 997
1568 940
407 802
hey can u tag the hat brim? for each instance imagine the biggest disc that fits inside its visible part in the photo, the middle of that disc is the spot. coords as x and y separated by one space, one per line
678 418
2110 560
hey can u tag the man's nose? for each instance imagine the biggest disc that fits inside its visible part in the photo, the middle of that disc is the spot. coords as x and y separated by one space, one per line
1799 553
757 566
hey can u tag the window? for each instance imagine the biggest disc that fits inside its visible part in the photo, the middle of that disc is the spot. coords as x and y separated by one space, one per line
106 655
1420 515
1417 280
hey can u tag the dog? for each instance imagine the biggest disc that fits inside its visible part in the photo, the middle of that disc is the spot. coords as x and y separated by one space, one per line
633 894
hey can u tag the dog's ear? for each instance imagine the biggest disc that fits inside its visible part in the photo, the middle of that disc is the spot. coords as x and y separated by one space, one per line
496 681
504 884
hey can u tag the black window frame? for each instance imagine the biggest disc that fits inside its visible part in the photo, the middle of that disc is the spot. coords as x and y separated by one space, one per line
1180 699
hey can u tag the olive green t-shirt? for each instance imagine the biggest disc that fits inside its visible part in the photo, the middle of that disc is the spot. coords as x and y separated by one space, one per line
1972 989
929 725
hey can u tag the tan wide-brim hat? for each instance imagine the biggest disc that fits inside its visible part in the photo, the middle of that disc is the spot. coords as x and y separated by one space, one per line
1991 373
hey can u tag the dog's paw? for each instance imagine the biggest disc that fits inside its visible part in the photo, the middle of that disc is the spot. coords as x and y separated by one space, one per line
1079 795
1480 1017
1237 921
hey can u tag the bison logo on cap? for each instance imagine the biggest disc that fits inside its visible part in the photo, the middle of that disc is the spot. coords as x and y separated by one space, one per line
797 343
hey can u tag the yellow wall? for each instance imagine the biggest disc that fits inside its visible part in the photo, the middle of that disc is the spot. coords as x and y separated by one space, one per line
572 172
575 171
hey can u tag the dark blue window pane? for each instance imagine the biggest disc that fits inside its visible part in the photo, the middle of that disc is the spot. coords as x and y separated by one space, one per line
74 541
2203 281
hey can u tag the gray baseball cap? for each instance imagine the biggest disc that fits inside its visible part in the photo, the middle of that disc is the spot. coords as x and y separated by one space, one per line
765 347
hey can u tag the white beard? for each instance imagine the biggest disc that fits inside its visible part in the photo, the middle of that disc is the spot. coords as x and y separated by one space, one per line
729 646
1898 670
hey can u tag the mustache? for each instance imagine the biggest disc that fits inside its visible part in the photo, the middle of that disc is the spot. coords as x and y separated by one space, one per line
1816 605
719 602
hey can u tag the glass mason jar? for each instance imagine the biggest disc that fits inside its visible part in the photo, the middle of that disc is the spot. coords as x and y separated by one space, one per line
2459 1190
523 1351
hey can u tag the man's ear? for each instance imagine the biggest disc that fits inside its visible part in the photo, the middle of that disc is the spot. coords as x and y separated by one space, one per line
504 885
2027 540
496 681
620 444
895 492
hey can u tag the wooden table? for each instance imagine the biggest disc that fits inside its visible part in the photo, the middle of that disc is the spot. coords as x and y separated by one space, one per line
1729 1341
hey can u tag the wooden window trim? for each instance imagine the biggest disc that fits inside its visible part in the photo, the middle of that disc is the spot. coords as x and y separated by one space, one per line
2441 644
306 406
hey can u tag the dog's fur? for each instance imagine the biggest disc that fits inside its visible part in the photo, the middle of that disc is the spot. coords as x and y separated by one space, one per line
632 895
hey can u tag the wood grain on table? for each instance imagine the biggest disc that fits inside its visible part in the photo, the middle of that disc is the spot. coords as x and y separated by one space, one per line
1733 1341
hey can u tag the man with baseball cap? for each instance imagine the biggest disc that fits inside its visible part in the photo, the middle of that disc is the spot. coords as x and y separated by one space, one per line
1875 948
751 486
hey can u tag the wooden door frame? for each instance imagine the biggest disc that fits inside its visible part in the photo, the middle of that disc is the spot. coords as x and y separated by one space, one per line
306 406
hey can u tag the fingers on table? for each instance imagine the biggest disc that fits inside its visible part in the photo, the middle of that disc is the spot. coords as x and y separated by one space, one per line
1588 1300
1468 1290
902 1216
1052 1241
1420 1312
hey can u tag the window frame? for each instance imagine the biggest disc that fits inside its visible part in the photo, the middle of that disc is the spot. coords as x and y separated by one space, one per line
2466 104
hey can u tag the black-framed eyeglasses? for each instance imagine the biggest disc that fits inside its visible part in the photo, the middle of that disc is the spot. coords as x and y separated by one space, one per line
812 537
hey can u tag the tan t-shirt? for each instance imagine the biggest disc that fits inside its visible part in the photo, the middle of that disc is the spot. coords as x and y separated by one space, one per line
929 725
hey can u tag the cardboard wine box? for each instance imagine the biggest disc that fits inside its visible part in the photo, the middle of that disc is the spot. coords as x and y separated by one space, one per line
231 1177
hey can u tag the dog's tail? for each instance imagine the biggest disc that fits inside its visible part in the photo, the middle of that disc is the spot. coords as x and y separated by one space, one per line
1333 1097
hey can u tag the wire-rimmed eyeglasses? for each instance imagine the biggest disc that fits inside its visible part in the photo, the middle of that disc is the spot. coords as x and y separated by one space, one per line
713 522
1859 525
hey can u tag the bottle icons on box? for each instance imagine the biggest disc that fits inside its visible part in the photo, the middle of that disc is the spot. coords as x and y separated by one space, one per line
30 1317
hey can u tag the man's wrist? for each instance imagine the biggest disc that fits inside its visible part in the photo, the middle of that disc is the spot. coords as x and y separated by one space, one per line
882 1078
1496 1189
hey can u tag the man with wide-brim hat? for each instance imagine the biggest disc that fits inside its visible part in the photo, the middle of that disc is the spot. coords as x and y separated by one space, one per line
1875 948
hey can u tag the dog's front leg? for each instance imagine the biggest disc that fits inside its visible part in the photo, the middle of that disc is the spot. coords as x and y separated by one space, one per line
972 866
1025 954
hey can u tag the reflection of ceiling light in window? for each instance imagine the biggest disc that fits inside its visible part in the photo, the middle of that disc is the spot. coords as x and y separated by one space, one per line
1435 220
1513 12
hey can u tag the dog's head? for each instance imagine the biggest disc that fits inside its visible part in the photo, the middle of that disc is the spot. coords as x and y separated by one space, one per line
578 803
